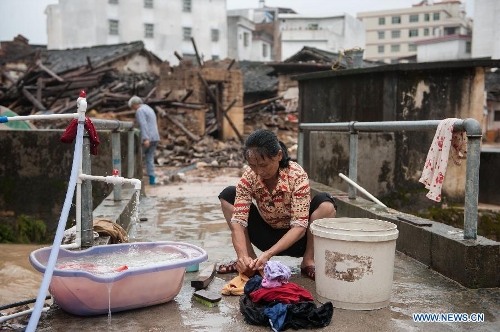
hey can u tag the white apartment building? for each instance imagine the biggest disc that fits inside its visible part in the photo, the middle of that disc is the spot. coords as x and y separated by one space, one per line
331 33
486 34
165 26
452 47
244 42
392 34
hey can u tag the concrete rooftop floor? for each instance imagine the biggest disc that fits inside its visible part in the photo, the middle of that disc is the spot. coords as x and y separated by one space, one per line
189 212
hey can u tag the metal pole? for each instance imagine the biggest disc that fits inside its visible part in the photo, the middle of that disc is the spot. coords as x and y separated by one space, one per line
87 223
130 155
117 162
472 187
300 148
353 162
470 126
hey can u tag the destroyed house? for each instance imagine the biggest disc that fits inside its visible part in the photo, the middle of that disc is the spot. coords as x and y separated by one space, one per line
50 80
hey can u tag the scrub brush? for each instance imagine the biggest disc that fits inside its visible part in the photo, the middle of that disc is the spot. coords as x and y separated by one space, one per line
207 298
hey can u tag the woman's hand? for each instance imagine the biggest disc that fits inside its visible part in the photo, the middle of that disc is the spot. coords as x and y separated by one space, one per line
259 263
243 266
145 143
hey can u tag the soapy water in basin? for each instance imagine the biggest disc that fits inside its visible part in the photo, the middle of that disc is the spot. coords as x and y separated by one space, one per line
116 262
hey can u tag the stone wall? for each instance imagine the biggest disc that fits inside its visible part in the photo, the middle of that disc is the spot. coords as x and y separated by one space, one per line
226 85
404 92
35 170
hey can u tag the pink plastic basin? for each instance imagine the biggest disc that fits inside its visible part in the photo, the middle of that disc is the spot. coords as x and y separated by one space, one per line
83 293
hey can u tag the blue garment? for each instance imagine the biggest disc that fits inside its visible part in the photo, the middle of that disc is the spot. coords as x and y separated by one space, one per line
253 284
149 156
146 119
276 315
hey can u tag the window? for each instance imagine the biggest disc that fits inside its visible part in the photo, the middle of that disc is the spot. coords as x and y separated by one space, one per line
186 33
450 31
312 26
246 38
186 6
381 48
148 3
468 47
381 21
412 47
496 115
113 27
381 35
395 48
215 35
413 33
395 34
113 2
149 30
426 31
414 18
435 16
396 20
215 57
264 50
427 17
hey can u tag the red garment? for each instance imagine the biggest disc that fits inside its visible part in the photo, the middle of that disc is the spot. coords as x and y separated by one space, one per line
70 134
288 293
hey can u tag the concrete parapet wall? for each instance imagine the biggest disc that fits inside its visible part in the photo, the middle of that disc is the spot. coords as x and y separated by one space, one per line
120 211
35 171
472 263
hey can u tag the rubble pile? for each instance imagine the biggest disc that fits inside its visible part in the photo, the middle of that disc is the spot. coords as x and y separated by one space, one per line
178 149
49 81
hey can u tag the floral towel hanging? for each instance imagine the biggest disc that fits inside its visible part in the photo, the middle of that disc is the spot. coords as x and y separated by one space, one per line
445 140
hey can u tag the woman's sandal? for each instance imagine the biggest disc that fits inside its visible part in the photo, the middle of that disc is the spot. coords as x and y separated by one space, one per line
227 268
309 271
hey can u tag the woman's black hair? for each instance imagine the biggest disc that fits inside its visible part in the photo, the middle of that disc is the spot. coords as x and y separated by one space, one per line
266 144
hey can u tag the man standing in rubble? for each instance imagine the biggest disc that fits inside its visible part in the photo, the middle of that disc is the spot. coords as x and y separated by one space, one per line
146 119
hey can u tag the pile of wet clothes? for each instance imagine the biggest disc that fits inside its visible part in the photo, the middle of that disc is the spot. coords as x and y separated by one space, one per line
276 302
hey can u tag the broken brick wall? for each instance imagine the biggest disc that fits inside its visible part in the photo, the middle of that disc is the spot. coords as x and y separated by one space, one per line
225 84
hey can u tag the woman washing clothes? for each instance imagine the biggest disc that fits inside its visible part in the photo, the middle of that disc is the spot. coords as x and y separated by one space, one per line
271 208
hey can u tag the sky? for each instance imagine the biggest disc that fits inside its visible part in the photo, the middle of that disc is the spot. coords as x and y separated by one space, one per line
16 19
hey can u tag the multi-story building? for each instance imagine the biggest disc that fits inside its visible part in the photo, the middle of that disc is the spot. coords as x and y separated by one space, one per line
165 26
254 34
486 34
392 35
284 33
331 33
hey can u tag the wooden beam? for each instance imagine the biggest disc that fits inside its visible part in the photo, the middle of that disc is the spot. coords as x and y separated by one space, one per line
205 277
150 93
262 102
178 56
59 95
231 121
33 100
89 63
186 105
186 96
214 99
39 89
230 65
8 76
196 52
48 71
163 113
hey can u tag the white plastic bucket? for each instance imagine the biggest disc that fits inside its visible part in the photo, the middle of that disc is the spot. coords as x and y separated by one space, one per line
354 261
